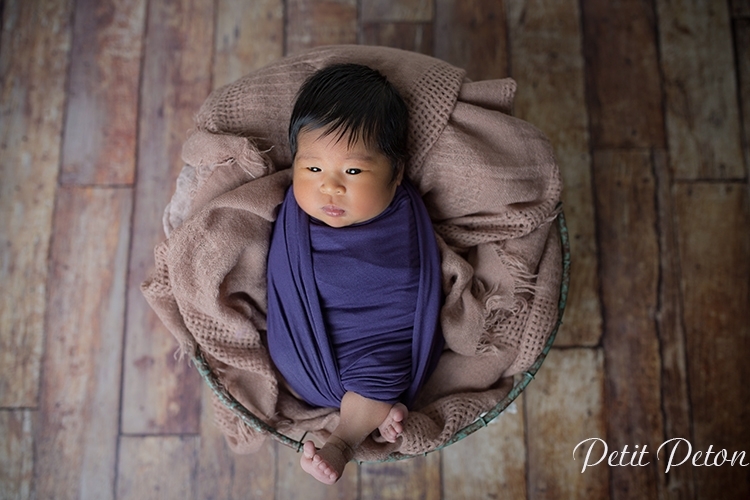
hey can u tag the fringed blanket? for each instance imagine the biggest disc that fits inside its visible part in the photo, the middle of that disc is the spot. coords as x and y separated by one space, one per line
491 187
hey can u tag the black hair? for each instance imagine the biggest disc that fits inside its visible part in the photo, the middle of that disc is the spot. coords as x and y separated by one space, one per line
356 100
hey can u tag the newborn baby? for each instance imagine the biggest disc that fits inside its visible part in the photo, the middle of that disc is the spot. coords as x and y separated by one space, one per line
354 279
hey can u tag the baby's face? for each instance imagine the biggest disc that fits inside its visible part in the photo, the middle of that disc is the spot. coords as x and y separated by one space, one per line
338 184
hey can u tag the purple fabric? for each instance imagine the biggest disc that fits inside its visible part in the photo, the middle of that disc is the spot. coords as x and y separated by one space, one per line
355 308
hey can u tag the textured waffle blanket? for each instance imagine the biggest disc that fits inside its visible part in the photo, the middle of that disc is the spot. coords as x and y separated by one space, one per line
490 184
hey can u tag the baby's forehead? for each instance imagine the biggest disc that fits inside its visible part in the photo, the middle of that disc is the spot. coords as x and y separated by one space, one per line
322 141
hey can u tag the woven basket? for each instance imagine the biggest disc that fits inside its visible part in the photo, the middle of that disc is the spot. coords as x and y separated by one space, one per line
519 383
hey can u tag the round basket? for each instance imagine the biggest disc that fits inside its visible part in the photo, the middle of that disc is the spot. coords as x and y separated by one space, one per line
520 381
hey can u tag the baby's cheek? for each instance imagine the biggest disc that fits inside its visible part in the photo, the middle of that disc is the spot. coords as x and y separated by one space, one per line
302 196
377 202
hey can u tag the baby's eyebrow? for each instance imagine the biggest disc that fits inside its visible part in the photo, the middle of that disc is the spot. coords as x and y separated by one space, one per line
306 157
360 156
366 157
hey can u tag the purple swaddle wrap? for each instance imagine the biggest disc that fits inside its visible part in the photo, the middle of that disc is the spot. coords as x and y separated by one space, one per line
355 308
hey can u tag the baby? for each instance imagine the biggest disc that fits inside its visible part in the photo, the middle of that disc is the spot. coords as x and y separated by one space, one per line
354 279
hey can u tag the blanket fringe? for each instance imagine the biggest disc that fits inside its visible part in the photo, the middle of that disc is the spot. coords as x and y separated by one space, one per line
185 349
258 160
496 317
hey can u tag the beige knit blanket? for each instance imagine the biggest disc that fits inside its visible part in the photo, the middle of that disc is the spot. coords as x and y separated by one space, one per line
490 183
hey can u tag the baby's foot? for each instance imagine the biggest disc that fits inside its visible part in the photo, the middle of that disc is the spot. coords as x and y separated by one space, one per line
327 464
393 425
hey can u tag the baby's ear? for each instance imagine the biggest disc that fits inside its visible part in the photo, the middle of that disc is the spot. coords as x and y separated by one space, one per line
400 174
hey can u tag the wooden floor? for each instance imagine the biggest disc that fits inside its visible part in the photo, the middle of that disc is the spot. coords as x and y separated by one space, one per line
647 103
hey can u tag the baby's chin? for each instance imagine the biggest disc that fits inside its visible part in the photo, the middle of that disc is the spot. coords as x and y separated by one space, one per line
340 221
335 222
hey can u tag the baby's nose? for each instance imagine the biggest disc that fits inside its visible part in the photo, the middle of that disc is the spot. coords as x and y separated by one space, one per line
331 186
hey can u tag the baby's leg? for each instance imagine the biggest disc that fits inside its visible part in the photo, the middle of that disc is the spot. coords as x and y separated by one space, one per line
359 417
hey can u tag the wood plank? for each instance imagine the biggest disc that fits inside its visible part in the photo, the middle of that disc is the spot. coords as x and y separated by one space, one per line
740 8
396 10
714 246
157 467
622 71
626 224
224 475
565 406
416 37
702 117
548 64
246 39
161 394
675 396
293 482
414 478
326 22
33 65
101 117
16 453
80 402
472 34
491 463
742 45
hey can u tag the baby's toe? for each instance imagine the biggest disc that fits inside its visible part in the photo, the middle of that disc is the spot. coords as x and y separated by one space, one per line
397 428
390 434
309 450
327 471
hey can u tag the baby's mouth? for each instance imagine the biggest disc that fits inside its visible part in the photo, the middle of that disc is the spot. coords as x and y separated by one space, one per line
333 211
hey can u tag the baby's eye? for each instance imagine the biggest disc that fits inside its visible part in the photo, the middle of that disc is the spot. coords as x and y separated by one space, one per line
353 171
313 169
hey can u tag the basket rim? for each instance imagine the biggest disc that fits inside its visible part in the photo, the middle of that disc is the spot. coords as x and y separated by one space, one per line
521 381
